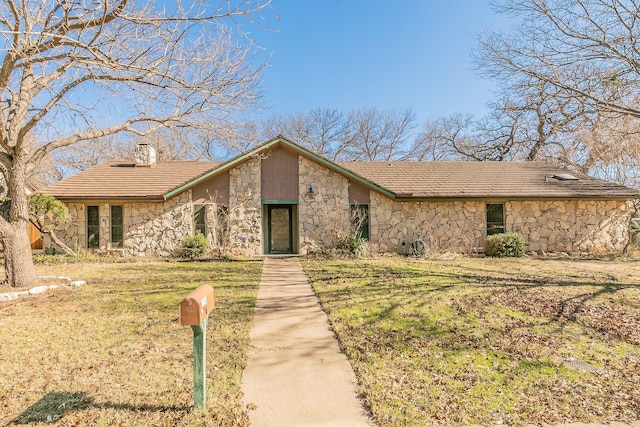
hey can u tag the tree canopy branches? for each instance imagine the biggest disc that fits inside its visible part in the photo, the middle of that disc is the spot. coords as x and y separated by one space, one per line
78 70
589 49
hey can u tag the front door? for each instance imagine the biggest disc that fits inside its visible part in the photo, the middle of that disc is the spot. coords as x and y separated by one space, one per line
280 230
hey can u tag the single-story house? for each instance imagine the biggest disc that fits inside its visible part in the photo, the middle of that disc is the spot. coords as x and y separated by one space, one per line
281 197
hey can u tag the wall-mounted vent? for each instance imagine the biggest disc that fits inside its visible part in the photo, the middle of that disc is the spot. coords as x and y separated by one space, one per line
565 177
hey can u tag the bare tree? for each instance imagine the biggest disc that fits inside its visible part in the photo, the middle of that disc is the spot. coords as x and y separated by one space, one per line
170 144
568 73
358 134
378 135
79 70
586 48
529 121
608 148
446 138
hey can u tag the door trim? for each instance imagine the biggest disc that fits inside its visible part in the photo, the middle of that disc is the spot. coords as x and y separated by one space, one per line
289 208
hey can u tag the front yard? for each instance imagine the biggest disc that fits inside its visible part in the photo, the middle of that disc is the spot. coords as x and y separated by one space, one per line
488 341
111 353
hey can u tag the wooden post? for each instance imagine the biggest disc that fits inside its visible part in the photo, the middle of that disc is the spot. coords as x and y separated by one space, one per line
200 364
194 311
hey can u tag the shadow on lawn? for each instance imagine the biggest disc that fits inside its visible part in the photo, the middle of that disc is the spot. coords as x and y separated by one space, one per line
386 290
53 406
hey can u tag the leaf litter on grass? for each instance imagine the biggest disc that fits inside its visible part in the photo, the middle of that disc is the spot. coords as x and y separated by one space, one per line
439 343
112 353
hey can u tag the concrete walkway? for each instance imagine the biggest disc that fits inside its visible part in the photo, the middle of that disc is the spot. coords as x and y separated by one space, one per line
296 374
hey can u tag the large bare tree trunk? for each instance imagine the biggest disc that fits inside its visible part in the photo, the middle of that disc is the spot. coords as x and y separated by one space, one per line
159 68
14 232
18 262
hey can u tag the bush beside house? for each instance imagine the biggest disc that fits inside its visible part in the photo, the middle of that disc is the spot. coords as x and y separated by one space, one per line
505 245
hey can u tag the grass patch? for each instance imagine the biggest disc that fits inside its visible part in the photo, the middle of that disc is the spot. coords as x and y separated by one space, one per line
483 341
112 352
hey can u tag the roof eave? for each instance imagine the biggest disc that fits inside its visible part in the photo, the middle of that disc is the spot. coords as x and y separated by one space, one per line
489 198
82 199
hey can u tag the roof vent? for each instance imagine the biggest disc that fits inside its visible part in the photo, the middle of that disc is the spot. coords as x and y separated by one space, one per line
145 155
565 177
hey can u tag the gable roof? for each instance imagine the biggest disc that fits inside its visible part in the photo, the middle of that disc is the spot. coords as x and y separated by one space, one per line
118 180
275 142
397 180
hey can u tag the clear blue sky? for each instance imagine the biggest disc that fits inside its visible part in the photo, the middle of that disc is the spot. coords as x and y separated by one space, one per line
371 53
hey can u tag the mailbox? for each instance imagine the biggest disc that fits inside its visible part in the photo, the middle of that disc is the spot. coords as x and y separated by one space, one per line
194 309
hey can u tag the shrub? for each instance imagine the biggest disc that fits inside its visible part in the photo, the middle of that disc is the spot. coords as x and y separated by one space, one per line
505 245
355 244
195 247
360 246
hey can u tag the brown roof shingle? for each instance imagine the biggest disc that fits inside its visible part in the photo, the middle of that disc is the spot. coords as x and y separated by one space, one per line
452 180
118 180
402 180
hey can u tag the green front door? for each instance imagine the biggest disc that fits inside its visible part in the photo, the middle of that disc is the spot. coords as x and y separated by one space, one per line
280 230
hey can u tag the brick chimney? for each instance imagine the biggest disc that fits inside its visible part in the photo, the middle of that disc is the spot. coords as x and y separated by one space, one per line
145 155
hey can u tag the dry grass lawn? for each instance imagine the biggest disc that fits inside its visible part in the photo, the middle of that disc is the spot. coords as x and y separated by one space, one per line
488 341
111 353
453 342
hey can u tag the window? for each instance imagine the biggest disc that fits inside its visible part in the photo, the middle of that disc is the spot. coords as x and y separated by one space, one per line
117 226
360 220
222 226
199 219
93 227
495 218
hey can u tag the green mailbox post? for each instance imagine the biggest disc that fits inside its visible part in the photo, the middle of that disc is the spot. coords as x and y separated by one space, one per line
194 311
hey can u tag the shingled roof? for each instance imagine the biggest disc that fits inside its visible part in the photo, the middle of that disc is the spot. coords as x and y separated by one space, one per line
117 180
483 180
399 180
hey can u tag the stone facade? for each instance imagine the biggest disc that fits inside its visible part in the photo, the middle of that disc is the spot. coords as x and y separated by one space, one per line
74 231
592 226
580 226
150 229
245 208
157 229
442 226
323 215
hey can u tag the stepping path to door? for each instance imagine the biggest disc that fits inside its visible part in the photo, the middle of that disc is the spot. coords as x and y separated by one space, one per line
296 374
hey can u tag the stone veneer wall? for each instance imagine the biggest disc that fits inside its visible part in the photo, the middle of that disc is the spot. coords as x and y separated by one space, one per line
157 229
443 226
150 229
245 208
592 226
588 226
73 233
324 216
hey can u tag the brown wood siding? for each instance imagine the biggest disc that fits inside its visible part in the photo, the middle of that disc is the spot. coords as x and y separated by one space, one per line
34 237
358 194
280 175
215 189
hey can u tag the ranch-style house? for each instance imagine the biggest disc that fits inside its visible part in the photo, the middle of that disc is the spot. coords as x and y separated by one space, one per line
282 198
